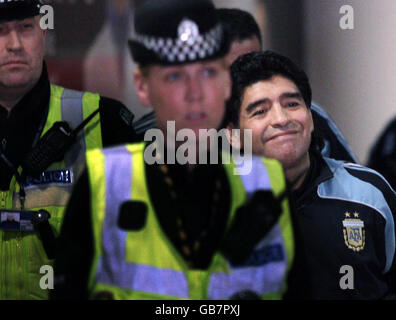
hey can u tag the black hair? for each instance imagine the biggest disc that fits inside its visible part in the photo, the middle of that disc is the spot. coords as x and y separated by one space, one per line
253 67
239 24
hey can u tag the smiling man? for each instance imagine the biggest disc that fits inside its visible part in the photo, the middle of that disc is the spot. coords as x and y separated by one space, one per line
275 135
342 212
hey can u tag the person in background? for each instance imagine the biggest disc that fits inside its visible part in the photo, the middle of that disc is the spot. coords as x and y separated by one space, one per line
243 30
383 154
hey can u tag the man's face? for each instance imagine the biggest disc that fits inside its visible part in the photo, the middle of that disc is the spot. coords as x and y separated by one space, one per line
193 95
22 46
280 121
239 48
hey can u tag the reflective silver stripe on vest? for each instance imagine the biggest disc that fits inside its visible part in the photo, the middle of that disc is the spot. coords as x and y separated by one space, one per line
263 279
112 267
257 181
72 113
269 275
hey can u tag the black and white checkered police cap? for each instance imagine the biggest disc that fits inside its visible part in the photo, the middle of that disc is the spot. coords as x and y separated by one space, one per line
171 32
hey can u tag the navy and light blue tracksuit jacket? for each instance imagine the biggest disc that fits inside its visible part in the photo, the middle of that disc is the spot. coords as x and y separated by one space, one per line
343 216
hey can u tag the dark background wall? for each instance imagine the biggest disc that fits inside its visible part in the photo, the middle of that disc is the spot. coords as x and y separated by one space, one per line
285 27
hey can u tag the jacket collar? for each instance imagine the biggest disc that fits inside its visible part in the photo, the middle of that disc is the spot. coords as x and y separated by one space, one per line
319 172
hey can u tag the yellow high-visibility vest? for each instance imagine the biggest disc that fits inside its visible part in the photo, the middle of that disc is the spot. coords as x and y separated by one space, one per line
21 253
144 264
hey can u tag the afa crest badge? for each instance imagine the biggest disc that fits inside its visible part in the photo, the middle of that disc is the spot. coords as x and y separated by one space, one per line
354 233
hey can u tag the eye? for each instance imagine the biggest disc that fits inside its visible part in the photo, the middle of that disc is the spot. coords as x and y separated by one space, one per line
259 112
292 104
172 77
209 72
25 26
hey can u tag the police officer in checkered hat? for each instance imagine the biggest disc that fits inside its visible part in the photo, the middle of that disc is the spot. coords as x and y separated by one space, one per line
159 230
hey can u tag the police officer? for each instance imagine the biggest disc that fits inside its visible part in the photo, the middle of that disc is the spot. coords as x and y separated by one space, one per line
135 230
43 142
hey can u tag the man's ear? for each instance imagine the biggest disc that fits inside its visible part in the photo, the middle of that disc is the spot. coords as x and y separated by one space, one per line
141 87
311 121
233 136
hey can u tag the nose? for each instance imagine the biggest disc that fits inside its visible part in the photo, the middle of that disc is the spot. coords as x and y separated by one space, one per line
14 42
279 116
194 90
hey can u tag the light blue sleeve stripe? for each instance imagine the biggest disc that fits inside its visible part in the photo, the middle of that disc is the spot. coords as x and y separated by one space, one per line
346 187
355 166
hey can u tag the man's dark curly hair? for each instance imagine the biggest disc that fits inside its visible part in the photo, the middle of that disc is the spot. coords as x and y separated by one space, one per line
253 67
